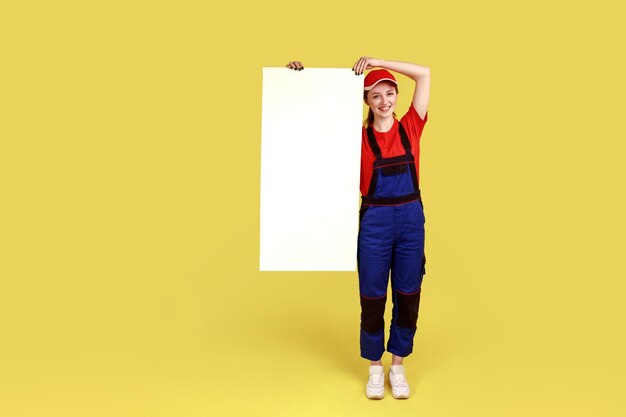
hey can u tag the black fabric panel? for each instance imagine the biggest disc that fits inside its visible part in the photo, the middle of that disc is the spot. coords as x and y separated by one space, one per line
402 159
408 307
390 201
372 314
394 170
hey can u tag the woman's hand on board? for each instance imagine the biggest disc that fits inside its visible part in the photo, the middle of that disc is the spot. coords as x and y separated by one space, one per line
365 63
295 65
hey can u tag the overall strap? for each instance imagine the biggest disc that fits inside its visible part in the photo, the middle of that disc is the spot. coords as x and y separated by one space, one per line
371 138
407 148
405 139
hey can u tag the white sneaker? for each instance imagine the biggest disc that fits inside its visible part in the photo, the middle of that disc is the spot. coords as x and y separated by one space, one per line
397 379
375 388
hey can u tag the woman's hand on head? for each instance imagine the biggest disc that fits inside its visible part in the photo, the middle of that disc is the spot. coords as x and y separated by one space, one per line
295 65
365 63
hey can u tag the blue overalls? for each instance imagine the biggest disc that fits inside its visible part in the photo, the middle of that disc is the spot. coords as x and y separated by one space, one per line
391 237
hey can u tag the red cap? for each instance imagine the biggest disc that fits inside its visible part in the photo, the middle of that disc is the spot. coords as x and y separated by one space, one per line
376 76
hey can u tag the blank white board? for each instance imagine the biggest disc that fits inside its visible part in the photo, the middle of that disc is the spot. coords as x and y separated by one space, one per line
310 169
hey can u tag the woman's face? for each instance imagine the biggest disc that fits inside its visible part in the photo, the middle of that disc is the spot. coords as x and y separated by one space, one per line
382 99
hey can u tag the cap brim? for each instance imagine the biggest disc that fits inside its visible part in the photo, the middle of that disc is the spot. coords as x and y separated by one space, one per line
379 81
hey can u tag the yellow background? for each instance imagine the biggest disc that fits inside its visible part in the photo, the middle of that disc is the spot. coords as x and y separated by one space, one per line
129 184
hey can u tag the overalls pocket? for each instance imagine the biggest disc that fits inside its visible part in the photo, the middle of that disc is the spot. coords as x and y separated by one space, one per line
394 170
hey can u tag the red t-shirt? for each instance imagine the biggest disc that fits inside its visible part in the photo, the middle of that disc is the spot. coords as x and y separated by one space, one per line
391 145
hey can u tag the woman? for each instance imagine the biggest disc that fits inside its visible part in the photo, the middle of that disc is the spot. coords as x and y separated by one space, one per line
391 233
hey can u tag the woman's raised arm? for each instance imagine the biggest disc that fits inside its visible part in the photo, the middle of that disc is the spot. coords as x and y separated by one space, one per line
418 73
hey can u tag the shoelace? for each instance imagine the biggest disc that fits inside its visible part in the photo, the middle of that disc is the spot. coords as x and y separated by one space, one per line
376 379
399 379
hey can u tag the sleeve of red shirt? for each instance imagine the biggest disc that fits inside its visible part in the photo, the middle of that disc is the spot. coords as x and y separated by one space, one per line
414 124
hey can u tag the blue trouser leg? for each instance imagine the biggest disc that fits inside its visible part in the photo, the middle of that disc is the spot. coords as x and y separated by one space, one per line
406 277
390 238
375 246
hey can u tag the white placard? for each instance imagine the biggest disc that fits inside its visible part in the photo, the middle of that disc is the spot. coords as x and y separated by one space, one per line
310 161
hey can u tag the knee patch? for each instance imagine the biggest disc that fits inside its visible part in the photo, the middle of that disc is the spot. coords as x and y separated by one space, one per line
408 308
372 313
